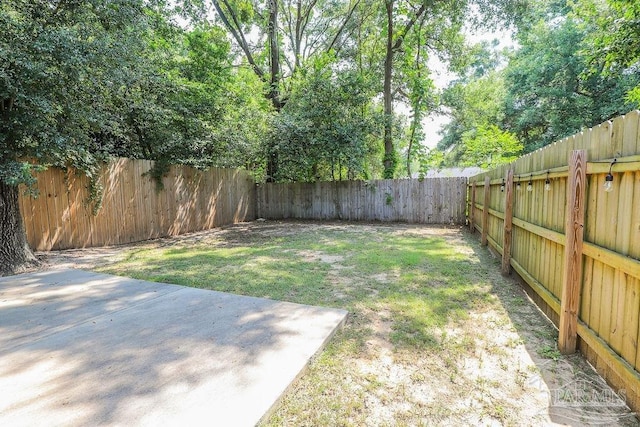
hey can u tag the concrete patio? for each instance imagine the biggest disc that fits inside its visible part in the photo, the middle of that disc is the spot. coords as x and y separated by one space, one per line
81 348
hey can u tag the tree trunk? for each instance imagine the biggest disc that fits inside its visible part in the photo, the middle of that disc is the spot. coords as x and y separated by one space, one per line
274 56
274 84
389 153
414 125
15 254
233 25
393 46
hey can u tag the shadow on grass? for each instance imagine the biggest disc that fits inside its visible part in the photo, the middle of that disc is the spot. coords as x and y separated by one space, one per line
577 395
421 281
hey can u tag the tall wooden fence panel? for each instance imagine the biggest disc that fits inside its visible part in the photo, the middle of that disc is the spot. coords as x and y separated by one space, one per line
428 201
133 208
608 306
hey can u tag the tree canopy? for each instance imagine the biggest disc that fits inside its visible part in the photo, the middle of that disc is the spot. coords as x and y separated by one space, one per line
255 84
327 129
83 81
576 65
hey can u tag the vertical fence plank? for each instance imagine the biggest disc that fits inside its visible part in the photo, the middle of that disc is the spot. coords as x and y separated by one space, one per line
472 207
572 277
485 210
508 224
508 218
132 209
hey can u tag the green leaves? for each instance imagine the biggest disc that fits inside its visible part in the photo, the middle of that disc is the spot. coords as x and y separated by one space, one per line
14 173
325 130
560 79
476 107
615 37
488 146
612 43
89 79
554 90
62 65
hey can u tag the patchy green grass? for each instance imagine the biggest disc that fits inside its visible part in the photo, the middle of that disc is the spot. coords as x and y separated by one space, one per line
423 282
549 352
430 338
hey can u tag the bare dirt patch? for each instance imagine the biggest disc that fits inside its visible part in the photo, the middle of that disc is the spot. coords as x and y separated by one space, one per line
333 260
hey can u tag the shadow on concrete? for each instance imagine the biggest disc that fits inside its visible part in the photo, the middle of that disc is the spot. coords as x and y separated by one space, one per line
574 393
84 348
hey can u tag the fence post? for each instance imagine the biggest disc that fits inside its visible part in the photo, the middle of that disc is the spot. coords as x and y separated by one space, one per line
572 275
472 206
508 222
258 200
485 210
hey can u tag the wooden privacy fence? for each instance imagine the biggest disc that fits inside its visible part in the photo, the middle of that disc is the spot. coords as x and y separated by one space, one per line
428 201
576 245
133 209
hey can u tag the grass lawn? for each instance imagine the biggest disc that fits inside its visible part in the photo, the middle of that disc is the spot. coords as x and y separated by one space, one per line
435 335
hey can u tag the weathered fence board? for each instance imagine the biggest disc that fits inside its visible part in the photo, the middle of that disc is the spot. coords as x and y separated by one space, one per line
609 281
133 209
428 201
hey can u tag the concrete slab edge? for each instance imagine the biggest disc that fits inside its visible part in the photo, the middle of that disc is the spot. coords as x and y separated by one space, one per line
265 417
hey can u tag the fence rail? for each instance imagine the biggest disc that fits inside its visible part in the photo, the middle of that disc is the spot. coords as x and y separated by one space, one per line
576 245
428 201
133 209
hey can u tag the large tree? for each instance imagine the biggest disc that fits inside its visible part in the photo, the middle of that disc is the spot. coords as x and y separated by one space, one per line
81 81
436 26
559 79
473 137
613 44
278 38
61 65
288 33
